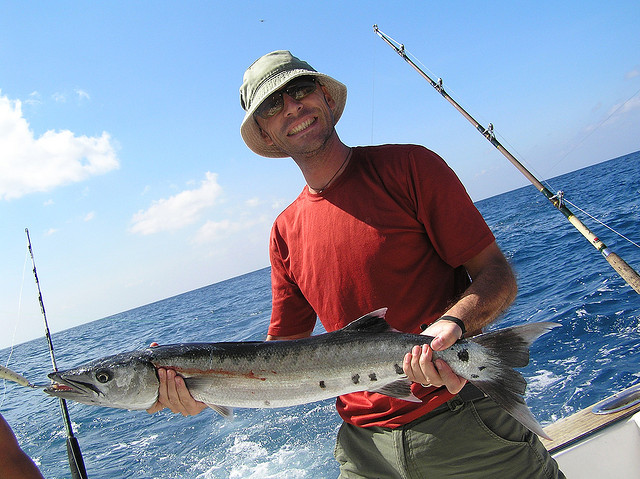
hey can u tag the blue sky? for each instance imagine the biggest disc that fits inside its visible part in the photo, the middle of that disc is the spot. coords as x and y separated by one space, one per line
119 126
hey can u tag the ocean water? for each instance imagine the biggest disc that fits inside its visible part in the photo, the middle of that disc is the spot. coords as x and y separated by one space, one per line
561 278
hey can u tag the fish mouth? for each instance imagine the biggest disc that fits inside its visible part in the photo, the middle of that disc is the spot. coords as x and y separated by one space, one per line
70 389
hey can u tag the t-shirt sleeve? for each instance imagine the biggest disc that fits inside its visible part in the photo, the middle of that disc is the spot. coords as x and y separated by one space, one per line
290 311
454 225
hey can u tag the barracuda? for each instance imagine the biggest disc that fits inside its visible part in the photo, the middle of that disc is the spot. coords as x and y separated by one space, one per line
366 355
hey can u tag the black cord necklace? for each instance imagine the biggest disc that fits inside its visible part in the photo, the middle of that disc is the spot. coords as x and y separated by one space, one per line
320 190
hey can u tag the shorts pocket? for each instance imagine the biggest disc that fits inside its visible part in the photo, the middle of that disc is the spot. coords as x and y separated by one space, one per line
498 423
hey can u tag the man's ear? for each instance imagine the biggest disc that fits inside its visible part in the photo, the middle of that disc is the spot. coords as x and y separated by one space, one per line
331 103
328 98
265 136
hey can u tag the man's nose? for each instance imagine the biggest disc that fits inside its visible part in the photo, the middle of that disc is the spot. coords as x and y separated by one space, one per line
291 105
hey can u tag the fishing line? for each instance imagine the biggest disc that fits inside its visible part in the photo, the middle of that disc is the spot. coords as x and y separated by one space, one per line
373 92
604 224
15 327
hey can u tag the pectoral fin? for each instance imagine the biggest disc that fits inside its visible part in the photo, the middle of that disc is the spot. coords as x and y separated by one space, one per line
224 411
194 383
400 389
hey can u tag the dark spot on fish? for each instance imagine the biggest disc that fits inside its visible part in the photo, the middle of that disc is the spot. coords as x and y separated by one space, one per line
267 403
373 377
399 369
463 355
475 376
355 378
481 368
322 384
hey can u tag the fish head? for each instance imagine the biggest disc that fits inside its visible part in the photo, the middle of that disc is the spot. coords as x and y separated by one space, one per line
126 381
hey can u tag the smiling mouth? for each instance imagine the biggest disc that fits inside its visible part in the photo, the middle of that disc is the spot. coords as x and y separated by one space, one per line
301 127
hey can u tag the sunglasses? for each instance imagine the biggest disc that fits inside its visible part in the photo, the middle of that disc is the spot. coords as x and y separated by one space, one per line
296 89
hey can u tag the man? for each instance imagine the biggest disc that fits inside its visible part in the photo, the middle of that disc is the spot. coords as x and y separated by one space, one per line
14 463
388 226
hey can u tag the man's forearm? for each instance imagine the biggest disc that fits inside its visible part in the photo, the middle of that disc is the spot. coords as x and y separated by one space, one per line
492 290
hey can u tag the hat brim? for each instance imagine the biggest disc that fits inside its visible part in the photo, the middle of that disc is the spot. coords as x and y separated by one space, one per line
250 130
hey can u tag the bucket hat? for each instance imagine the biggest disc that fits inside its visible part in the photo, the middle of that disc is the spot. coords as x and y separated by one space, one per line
267 75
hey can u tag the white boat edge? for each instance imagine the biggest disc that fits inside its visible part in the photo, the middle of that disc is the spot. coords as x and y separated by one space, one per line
602 440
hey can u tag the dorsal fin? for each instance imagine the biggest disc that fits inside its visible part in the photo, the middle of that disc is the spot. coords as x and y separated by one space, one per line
373 322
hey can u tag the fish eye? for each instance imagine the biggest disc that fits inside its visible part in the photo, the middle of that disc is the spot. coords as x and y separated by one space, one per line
103 375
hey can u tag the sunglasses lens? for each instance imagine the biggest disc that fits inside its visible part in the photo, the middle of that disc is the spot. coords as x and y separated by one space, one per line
302 89
296 90
271 106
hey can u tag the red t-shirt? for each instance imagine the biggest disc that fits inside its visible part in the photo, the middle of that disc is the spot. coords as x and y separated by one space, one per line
393 231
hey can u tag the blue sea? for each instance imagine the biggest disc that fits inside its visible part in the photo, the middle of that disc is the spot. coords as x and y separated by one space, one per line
561 278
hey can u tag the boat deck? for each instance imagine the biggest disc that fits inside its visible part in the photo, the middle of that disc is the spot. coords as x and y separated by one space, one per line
582 424
588 445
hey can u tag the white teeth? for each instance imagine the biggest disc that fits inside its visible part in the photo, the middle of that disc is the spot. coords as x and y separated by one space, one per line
301 126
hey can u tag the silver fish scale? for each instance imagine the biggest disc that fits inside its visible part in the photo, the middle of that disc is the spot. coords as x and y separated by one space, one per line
281 373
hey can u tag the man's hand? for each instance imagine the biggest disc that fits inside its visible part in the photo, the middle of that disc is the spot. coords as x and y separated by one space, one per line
173 394
419 366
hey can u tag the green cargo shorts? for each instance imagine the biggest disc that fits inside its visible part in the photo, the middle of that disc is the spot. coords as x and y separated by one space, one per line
472 439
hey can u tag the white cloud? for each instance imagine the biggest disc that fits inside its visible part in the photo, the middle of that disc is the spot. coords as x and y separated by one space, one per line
89 216
214 230
619 111
279 204
179 210
82 95
34 98
633 73
29 164
630 105
253 202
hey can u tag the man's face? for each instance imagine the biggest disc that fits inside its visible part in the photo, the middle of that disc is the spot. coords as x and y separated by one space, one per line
302 127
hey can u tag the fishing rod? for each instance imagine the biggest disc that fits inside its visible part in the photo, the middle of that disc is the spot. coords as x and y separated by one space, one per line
76 462
617 263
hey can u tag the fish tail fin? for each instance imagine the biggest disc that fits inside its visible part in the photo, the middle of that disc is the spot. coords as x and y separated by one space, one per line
507 349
